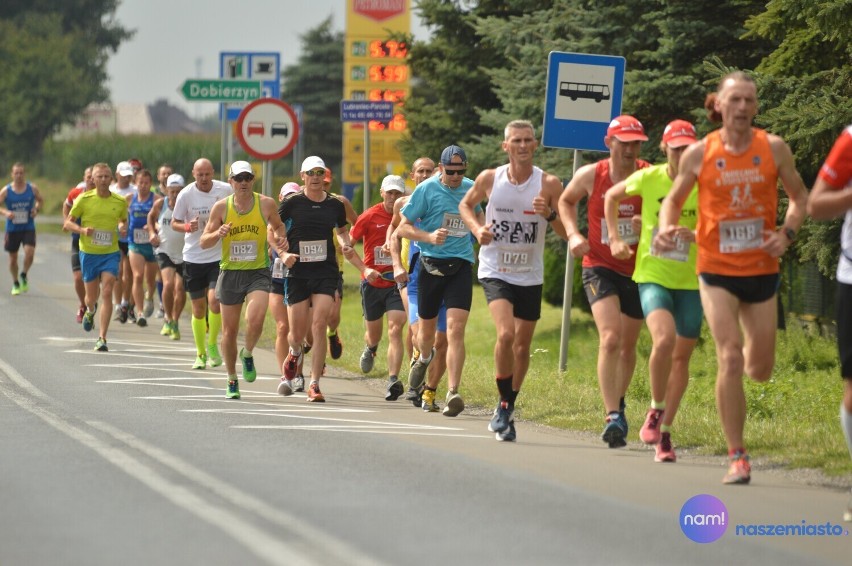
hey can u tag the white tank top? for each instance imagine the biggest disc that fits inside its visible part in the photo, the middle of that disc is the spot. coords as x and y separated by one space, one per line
516 255
171 242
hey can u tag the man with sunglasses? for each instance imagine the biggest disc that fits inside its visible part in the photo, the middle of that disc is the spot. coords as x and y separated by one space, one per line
445 276
239 222
310 217
379 293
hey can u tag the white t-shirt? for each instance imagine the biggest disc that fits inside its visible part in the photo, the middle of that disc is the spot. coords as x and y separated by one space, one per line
130 190
193 203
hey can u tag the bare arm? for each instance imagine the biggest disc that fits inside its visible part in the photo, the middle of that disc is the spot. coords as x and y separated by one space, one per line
617 193
215 229
672 206
778 242
826 202
547 202
480 191
39 201
153 214
274 225
581 185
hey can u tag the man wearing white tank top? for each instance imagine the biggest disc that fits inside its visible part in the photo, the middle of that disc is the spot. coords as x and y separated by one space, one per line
522 201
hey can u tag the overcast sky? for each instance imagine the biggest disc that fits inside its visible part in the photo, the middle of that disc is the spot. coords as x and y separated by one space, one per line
177 40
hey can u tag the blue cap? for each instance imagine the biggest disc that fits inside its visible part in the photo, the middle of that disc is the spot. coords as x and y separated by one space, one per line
449 152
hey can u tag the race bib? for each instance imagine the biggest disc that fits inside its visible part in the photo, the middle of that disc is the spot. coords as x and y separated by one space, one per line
243 251
625 232
313 250
740 235
514 261
454 225
279 269
680 253
21 217
141 236
102 238
380 257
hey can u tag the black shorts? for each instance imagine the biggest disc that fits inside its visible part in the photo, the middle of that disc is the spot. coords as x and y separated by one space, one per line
748 289
165 262
376 301
600 282
123 247
15 239
454 291
75 254
234 285
199 277
844 328
297 290
276 286
526 301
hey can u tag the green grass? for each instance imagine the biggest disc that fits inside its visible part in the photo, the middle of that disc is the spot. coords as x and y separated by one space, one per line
792 419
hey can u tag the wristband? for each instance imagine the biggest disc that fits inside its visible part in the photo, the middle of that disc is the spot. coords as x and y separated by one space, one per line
552 216
187 227
790 233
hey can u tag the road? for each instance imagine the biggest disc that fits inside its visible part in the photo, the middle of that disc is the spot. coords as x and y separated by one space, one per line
132 457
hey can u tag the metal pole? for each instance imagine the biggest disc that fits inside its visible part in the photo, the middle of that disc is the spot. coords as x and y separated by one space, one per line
366 165
267 178
230 147
223 155
567 292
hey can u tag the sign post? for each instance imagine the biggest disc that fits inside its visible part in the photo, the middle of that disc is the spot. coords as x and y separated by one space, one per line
583 96
365 111
267 129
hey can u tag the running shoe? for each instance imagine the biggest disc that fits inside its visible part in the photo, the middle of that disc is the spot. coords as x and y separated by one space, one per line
88 321
335 346
664 451
417 375
650 431
291 365
455 404
16 289
200 362
394 389
233 391
502 417
166 330
80 313
148 309
299 383
249 371
314 393
739 471
161 313
175 333
100 345
367 358
213 355
429 404
141 322
847 515
131 314
614 433
415 353
285 387
509 434
122 314
25 286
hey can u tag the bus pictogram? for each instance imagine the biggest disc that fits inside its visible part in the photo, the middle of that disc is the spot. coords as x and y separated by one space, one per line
584 90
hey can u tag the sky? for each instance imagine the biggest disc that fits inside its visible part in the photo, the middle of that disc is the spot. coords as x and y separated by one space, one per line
175 40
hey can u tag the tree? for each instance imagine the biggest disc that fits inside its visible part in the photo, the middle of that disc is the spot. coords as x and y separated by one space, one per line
316 82
54 65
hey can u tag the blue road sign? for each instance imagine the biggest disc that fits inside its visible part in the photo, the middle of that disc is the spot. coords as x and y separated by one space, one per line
247 65
365 110
583 96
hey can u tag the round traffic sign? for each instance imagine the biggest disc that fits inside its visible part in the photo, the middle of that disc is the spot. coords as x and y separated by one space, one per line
267 128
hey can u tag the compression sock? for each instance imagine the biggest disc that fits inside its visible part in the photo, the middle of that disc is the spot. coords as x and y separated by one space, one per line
214 321
199 332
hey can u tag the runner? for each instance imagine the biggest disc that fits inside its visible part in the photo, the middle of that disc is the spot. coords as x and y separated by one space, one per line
277 306
99 217
446 259
22 201
239 223
143 263
124 311
612 294
830 198
85 185
201 266
522 201
668 286
169 244
379 293
737 168
310 216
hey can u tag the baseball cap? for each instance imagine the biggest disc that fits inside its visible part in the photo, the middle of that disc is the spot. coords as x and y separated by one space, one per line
393 183
328 176
312 162
288 188
124 169
175 180
449 152
679 133
626 129
135 164
238 167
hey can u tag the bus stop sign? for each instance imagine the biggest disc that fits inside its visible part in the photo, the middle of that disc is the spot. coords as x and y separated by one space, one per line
583 96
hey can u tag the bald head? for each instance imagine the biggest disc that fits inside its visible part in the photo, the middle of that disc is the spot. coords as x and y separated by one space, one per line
203 173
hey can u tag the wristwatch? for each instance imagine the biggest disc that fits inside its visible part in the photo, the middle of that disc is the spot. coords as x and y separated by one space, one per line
790 233
552 216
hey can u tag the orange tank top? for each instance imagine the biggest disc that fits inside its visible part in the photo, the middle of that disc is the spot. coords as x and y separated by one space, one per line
737 201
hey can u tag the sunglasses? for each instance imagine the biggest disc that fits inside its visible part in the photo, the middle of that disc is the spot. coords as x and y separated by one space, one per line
455 171
243 177
315 173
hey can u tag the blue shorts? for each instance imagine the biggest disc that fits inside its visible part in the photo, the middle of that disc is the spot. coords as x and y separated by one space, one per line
684 304
413 315
145 250
92 265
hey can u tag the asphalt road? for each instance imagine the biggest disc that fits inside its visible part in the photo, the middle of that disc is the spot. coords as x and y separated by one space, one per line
132 457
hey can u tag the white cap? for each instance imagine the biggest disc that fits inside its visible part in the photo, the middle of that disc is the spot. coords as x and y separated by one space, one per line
238 167
175 180
393 183
288 188
312 162
124 169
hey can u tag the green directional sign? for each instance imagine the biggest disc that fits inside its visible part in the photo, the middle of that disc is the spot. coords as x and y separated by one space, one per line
221 90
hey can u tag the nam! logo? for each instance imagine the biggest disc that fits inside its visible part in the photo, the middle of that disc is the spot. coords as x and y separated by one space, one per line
379 10
703 518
